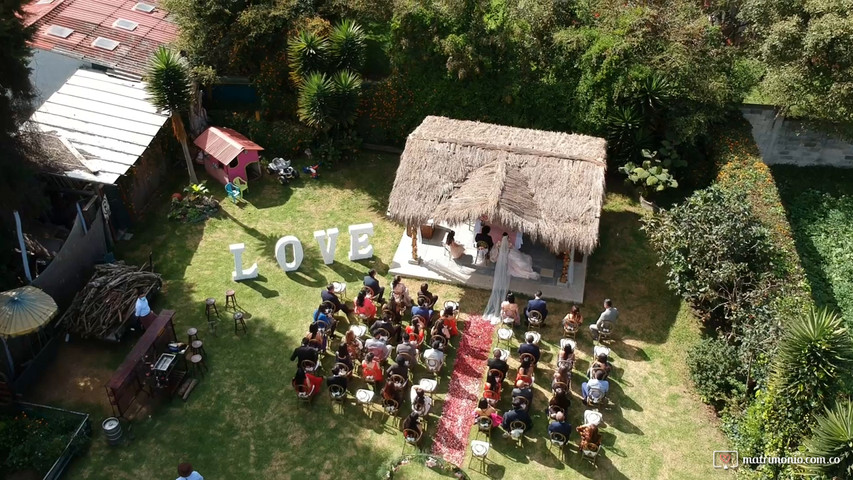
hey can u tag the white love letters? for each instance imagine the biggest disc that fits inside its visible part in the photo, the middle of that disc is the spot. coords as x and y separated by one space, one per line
360 248
238 273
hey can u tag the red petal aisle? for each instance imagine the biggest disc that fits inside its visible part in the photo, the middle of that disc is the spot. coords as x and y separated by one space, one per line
466 386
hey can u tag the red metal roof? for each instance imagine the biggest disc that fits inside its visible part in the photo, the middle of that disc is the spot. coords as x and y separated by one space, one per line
91 19
224 144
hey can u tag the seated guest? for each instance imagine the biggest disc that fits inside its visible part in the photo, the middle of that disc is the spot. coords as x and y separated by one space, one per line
392 392
393 311
371 282
408 349
338 377
560 425
600 364
573 318
413 423
531 348
440 328
525 371
566 356
497 363
422 310
400 292
315 338
431 299
449 319
492 388
328 295
596 382
383 324
436 352
378 347
323 318
610 314
399 368
354 345
307 381
342 357
455 248
509 309
590 438
415 332
561 376
484 236
304 352
559 402
421 403
485 410
364 305
518 413
538 305
522 389
371 370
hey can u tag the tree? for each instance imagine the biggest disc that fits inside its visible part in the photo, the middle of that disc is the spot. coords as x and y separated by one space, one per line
168 83
21 188
347 46
832 436
807 49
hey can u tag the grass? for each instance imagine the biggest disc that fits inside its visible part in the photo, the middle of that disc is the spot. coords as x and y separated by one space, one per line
243 420
819 205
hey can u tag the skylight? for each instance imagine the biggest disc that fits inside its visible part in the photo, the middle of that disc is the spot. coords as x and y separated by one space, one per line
44 2
144 7
125 24
105 43
61 32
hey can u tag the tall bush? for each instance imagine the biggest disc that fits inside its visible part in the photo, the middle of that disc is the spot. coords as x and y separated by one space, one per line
832 437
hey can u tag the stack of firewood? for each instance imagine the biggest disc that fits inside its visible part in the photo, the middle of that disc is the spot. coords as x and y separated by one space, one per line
108 299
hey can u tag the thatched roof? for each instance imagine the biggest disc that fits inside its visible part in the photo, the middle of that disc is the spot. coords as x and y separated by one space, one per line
549 185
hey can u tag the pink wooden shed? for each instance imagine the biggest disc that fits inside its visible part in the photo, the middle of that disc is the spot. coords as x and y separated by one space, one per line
228 153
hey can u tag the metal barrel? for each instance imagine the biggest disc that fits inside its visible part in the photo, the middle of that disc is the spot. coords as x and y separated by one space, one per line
112 429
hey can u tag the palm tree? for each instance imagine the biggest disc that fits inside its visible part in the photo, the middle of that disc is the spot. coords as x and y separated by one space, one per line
832 437
347 87
317 101
347 46
306 54
168 83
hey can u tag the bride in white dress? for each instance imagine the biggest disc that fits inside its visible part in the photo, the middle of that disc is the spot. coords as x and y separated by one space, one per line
520 264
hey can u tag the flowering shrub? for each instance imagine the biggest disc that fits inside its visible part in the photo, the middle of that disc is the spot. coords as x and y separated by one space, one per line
32 442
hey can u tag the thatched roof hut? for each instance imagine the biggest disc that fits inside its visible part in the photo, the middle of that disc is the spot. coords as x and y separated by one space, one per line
549 185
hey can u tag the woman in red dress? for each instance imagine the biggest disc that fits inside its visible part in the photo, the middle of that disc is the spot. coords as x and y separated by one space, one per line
307 382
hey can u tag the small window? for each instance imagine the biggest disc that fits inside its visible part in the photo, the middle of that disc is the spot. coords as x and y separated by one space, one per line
125 24
144 7
105 43
234 163
60 32
44 2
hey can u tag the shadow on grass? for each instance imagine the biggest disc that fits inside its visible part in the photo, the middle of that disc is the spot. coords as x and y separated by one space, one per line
267 192
256 285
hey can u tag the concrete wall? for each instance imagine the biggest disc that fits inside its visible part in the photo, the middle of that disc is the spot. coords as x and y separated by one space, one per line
785 141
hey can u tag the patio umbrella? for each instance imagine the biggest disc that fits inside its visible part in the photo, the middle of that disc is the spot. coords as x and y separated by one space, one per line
24 310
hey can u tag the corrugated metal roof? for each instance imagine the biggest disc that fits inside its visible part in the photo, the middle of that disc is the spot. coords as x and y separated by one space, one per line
224 144
107 120
91 19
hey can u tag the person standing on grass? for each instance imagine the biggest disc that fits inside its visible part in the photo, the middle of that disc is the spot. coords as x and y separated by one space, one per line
610 314
536 304
143 311
186 472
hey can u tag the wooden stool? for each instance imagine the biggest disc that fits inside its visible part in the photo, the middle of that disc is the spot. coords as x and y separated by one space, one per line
239 322
192 335
210 304
231 299
198 365
197 348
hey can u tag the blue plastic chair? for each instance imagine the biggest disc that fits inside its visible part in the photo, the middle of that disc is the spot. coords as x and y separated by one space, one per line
234 192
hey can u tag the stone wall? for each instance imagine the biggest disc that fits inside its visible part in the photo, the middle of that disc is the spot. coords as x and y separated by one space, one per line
786 141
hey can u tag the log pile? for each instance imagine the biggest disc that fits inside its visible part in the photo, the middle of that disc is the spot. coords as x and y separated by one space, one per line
108 299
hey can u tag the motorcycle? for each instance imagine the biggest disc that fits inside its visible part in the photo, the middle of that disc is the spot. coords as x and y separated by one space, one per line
283 170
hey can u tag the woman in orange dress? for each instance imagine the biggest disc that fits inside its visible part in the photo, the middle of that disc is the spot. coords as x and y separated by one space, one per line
371 370
590 437
574 318
308 382
415 332
364 305
509 309
525 372
449 321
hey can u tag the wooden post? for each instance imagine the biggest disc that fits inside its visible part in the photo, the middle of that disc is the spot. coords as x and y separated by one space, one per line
413 232
572 267
565 272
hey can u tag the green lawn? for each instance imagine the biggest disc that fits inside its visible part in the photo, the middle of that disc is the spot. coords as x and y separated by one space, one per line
243 421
